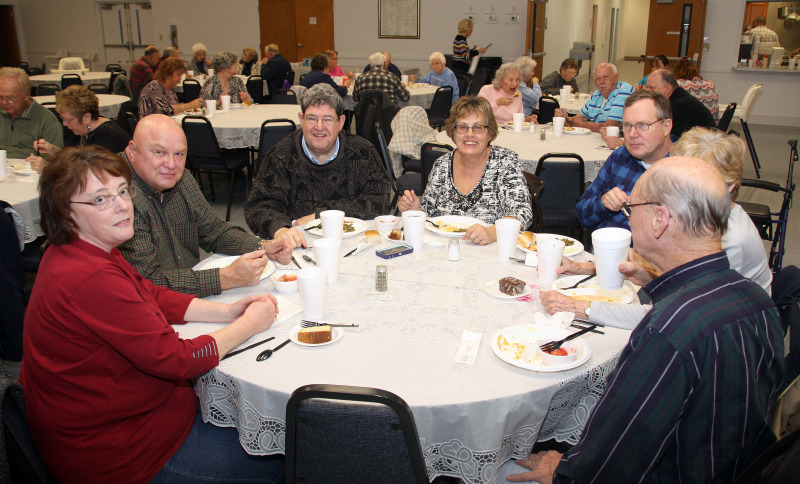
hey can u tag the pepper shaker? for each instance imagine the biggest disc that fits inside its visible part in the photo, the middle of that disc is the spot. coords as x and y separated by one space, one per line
381 278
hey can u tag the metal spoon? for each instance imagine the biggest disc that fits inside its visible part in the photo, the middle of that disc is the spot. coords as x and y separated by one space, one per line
264 355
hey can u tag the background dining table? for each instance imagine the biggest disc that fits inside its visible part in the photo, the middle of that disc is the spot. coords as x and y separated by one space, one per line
86 77
470 419
109 103
22 193
420 95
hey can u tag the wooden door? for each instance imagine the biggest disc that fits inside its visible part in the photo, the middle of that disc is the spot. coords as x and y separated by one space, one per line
534 40
675 29
301 28
753 10
9 55
276 22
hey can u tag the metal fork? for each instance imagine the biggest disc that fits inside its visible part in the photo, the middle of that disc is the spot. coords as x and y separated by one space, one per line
311 324
554 345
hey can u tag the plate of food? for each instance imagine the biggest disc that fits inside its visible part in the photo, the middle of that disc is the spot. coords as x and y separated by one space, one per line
519 346
451 225
23 169
527 242
590 291
221 262
315 335
352 227
507 288
525 124
576 130
236 105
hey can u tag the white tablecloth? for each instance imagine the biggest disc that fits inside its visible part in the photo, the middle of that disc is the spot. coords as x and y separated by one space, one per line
88 78
241 128
421 95
109 103
22 193
530 148
574 102
469 420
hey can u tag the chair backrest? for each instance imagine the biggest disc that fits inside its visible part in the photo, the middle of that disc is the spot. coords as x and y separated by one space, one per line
201 141
25 67
563 175
25 463
98 88
290 77
270 135
47 89
367 121
727 116
442 101
70 64
535 185
113 67
547 108
429 153
463 84
191 90
369 96
301 78
284 96
747 102
120 85
70 80
478 81
255 88
383 151
35 71
337 433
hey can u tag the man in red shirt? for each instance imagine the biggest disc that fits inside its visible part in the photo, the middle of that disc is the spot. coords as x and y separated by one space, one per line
142 70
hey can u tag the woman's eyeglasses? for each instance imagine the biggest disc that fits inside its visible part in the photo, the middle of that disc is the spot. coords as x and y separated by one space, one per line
103 202
477 129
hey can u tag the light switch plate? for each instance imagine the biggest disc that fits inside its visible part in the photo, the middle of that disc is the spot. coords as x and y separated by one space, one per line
512 19
490 18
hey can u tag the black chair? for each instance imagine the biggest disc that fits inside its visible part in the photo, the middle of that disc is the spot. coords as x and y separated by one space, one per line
284 96
563 175
440 107
255 88
365 127
47 89
478 81
429 153
128 121
25 67
547 108
272 131
70 80
464 82
191 90
409 181
25 463
301 78
35 71
204 154
535 185
290 77
119 84
113 67
727 116
98 88
337 433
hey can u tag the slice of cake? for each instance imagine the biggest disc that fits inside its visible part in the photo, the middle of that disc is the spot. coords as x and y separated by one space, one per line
512 286
314 335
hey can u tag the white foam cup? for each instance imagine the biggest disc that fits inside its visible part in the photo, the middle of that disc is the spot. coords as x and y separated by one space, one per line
558 126
211 107
612 131
189 73
518 119
3 161
226 102
404 79
210 72
564 93
332 223
327 252
384 224
549 253
313 285
414 226
507 233
610 247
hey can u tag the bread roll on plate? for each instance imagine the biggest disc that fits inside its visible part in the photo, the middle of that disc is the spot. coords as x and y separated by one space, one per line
372 236
526 239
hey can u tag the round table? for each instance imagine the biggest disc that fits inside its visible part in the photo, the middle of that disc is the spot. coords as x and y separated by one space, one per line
22 193
530 148
574 102
87 78
469 419
109 103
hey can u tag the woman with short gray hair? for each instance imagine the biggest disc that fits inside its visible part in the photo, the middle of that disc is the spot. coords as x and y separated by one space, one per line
503 95
199 62
224 81
528 87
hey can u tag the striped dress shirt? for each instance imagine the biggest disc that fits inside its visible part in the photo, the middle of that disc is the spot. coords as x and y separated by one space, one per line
690 398
599 109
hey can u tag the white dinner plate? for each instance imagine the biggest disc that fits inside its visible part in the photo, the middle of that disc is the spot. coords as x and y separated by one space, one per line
23 171
359 227
574 249
236 105
590 291
516 346
575 130
214 263
336 335
525 124
456 221
493 289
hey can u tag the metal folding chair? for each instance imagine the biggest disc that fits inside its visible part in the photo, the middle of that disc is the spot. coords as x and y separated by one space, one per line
747 103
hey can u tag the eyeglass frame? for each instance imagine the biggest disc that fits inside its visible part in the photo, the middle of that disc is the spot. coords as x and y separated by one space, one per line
475 128
129 190
626 207
326 120
640 127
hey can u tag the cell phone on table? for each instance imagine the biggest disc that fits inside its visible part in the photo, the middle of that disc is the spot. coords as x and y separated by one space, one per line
394 251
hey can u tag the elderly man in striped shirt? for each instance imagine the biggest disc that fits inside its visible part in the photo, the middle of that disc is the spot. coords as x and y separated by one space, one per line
691 395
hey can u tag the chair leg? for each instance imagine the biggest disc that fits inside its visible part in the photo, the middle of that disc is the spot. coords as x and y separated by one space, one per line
211 184
230 196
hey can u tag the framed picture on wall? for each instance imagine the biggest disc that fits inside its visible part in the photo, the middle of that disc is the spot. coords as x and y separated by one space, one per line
398 19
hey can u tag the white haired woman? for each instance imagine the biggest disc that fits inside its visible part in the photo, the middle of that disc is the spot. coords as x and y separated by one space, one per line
224 81
199 62
528 87
503 94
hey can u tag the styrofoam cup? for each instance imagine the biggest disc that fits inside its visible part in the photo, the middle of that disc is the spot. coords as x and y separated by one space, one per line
610 247
549 253
211 107
414 226
210 72
327 252
518 119
612 131
3 161
507 232
384 224
226 102
332 223
190 73
558 126
313 285
564 93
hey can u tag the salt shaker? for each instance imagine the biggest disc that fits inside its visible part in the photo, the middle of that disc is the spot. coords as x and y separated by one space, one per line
453 249
381 278
541 134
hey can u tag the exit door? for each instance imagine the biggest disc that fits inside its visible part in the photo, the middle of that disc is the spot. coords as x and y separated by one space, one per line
675 29
301 28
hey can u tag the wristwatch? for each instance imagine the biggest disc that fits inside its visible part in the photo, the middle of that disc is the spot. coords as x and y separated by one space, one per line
587 310
261 244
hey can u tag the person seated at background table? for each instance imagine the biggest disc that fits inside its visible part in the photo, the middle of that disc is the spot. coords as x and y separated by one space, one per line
166 54
462 54
224 81
334 69
741 241
198 63
158 97
142 70
387 65
703 89
564 76
604 108
659 61
687 110
440 74
80 112
274 68
379 78
503 95
250 64
691 395
318 168
646 122
477 179
530 93
317 75
23 121
174 220
106 378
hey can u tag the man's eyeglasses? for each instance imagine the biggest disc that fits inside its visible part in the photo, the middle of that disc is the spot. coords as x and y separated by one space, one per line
641 127
626 207
8 99
326 120
464 129
104 202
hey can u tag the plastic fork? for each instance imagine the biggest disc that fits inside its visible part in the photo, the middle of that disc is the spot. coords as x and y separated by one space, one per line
264 355
578 283
311 324
554 345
